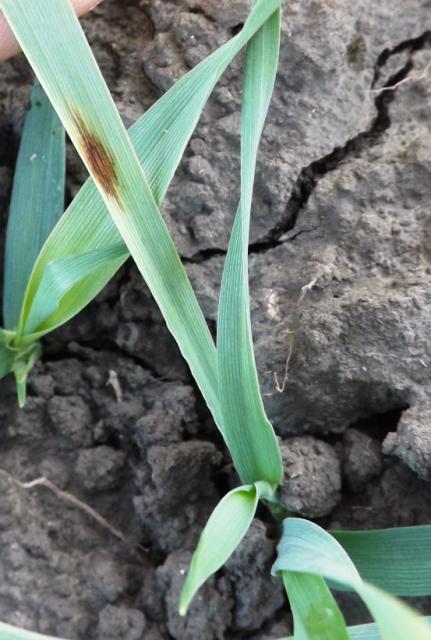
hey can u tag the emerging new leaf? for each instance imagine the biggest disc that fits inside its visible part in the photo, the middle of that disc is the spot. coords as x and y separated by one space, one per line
226 527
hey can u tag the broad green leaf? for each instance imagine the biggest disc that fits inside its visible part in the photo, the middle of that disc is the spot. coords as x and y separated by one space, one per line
226 527
37 199
248 432
7 632
307 548
315 613
60 276
396 560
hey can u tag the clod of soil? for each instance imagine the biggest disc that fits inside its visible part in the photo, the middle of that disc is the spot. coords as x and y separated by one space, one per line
312 482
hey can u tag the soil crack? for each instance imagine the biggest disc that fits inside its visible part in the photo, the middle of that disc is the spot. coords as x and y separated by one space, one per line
411 45
310 175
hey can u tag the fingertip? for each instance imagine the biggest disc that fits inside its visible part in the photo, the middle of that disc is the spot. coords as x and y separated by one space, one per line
83 6
8 44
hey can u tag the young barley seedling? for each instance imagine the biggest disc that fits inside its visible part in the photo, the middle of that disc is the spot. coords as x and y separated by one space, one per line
308 556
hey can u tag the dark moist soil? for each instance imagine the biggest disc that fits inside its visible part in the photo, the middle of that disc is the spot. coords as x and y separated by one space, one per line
341 303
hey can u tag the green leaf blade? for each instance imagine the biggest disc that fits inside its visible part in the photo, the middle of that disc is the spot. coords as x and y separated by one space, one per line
37 199
8 632
315 612
223 532
363 632
396 560
307 548
248 432
369 631
395 620
61 276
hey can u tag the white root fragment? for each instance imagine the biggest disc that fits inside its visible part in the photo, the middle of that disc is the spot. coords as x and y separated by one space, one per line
71 499
114 382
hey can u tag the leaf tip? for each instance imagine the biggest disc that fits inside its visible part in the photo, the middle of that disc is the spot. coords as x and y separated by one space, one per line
186 597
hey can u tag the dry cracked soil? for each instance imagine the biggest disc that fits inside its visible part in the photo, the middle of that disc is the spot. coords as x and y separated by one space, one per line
340 262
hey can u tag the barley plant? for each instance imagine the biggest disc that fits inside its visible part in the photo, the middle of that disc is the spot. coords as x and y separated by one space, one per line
56 263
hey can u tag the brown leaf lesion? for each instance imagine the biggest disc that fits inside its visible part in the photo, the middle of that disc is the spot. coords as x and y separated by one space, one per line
99 158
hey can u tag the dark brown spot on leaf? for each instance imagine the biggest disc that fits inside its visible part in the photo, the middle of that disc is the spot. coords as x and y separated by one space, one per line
99 158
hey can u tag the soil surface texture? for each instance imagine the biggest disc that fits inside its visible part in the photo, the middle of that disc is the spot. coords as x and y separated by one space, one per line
110 472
